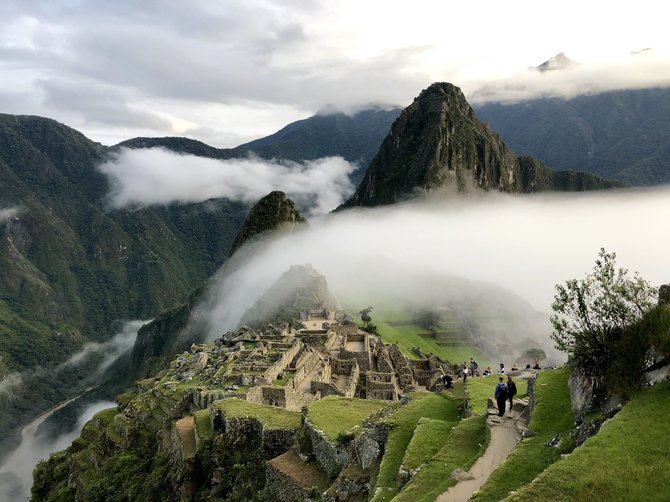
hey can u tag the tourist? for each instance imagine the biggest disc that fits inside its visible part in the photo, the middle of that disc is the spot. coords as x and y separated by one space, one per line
487 371
473 367
465 371
515 367
448 381
500 394
511 390
536 366
502 369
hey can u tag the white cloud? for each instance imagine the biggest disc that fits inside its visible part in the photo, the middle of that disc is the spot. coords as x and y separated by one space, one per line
193 62
158 176
447 251
7 213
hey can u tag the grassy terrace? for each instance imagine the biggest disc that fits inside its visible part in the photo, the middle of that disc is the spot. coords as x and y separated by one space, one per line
426 441
443 406
464 444
552 414
627 460
203 425
334 414
269 416
408 334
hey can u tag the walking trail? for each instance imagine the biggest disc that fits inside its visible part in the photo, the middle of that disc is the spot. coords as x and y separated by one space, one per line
504 437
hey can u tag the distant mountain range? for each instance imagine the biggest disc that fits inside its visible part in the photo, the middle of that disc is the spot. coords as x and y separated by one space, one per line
622 135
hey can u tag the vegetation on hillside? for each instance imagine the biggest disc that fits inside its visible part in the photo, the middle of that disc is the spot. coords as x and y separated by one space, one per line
621 135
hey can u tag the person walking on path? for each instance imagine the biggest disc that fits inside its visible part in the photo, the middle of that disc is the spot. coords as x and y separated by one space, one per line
465 371
501 396
511 390
473 367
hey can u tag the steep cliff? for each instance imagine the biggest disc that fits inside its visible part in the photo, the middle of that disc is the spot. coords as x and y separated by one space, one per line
273 212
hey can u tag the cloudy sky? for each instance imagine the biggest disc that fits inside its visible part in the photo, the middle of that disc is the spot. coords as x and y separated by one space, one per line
229 71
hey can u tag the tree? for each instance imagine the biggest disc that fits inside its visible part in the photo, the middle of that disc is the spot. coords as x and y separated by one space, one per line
365 315
592 313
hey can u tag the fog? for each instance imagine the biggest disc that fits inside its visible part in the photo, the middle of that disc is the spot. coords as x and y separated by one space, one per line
7 213
111 350
158 176
495 252
16 471
16 474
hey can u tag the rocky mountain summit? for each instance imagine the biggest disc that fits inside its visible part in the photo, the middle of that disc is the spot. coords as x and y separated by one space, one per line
438 142
273 212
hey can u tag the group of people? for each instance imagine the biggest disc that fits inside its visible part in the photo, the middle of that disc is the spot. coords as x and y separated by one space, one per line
504 390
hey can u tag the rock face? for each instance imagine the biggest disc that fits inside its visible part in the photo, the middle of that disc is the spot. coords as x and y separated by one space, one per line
439 142
274 211
582 394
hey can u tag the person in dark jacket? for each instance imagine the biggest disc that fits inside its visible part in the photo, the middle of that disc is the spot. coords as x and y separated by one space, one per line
511 391
501 396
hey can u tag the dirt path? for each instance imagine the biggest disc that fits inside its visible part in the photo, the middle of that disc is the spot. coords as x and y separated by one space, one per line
502 442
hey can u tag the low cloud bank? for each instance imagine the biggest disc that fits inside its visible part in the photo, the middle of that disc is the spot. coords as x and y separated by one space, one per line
475 253
153 176
16 474
112 349
7 213
639 70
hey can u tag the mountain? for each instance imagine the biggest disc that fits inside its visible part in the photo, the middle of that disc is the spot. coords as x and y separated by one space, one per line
622 135
173 330
354 137
70 269
439 142
273 212
558 62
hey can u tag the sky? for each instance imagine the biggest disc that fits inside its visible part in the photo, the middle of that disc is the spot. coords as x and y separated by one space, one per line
226 72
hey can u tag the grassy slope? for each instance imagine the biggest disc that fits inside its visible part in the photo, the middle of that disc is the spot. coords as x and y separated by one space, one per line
334 414
271 416
464 444
627 460
407 336
552 414
443 406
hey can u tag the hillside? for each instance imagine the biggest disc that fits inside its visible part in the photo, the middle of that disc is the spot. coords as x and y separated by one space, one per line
355 137
70 269
438 142
620 135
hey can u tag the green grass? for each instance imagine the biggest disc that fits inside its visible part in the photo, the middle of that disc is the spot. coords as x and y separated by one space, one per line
465 443
552 414
334 414
203 425
428 438
481 388
443 406
270 416
627 460
389 310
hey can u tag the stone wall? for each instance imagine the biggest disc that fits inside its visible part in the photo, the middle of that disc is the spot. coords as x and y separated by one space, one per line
278 366
282 487
363 358
664 294
326 389
330 456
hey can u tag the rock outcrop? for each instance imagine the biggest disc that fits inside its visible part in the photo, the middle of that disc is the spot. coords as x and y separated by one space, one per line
439 142
275 211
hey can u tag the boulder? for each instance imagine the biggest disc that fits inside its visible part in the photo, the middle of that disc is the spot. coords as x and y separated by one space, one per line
582 394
